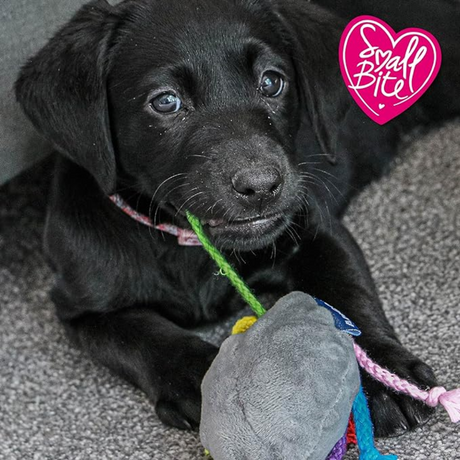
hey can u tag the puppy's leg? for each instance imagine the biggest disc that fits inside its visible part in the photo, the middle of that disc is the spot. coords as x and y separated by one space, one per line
165 361
330 265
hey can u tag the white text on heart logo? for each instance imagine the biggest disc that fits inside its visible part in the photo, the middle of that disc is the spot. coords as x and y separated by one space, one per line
387 72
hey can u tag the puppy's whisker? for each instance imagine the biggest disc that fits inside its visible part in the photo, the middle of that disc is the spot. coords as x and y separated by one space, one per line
273 254
330 181
329 215
158 207
189 192
164 201
316 155
292 235
308 163
214 205
156 213
307 206
335 187
322 171
187 200
165 181
232 216
321 182
236 254
309 178
201 203
241 255
227 212
199 156
175 189
127 187
210 209
174 176
306 187
294 231
295 224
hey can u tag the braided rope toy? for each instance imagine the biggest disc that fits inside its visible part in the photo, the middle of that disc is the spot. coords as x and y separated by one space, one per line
361 415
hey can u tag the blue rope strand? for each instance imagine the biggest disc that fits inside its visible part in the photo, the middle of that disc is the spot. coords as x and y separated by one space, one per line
365 431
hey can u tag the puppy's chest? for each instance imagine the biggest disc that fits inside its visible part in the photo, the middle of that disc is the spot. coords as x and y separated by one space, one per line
190 288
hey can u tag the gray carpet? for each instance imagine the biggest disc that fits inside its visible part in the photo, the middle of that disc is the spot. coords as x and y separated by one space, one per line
55 404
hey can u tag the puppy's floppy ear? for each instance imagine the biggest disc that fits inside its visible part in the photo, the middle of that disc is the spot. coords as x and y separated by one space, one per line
62 90
313 35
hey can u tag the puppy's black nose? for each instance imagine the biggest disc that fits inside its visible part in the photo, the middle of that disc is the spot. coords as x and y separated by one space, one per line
258 185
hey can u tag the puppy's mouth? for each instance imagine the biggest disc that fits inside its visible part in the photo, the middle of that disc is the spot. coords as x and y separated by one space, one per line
243 233
241 225
247 234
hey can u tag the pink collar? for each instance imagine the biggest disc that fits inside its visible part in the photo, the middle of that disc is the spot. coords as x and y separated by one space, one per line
184 237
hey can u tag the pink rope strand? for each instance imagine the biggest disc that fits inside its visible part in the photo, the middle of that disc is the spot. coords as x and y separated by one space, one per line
437 395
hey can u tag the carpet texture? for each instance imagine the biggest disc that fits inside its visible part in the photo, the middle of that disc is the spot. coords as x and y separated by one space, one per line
56 404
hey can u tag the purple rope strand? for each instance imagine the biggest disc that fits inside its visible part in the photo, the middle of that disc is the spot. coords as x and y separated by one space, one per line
339 450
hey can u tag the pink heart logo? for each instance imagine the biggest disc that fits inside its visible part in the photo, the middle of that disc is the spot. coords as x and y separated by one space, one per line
386 72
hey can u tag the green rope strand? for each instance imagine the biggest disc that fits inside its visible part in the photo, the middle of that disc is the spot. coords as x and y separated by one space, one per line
225 267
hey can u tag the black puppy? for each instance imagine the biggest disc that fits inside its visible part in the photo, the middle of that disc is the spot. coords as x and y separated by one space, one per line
236 111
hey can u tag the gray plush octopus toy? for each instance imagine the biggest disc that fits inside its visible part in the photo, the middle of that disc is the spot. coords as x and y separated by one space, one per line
284 389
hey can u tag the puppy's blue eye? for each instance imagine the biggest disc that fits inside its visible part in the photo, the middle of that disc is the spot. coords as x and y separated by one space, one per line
272 84
166 103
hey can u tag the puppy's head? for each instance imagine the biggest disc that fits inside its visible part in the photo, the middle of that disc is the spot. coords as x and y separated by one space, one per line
197 105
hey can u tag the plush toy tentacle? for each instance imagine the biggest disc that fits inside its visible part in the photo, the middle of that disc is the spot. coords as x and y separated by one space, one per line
364 430
437 395
243 324
450 400
339 450
351 432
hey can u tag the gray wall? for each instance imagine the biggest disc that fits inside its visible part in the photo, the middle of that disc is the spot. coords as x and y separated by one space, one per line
25 25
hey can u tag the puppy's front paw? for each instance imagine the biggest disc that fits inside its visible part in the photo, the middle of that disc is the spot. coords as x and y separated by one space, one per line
394 413
179 393
182 413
